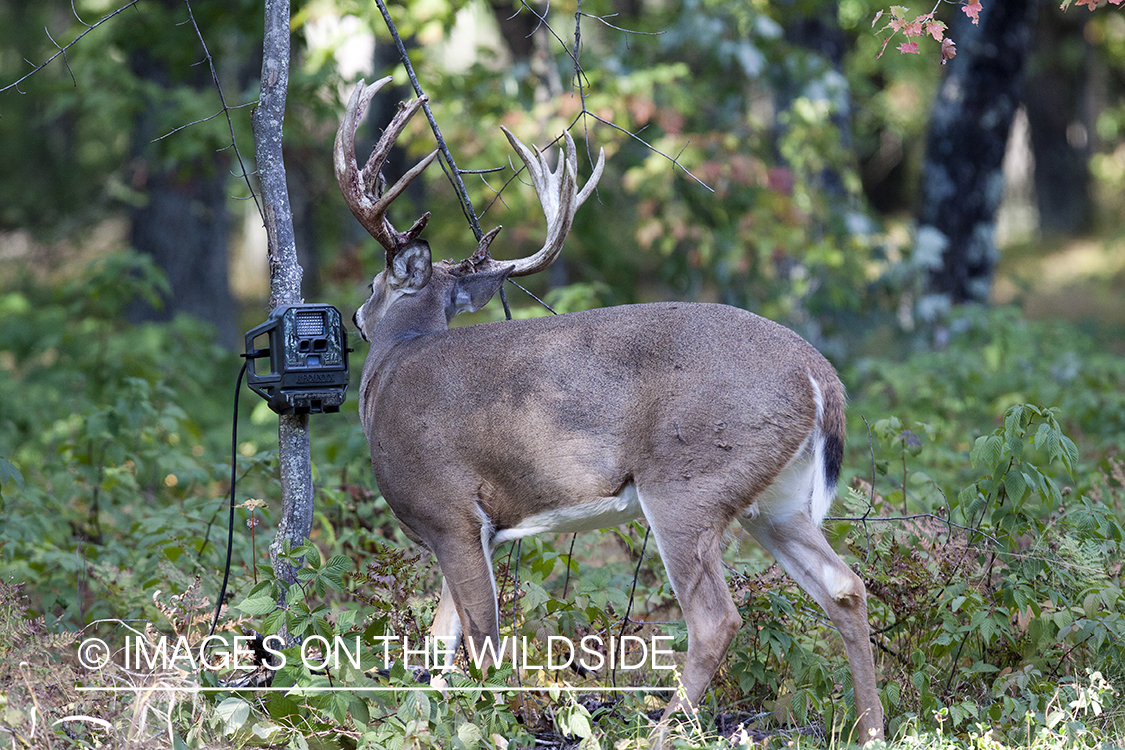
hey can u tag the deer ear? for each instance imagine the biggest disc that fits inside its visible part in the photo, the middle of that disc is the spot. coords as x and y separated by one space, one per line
472 291
411 267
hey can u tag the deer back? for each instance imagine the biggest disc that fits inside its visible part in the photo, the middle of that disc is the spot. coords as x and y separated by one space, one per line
524 417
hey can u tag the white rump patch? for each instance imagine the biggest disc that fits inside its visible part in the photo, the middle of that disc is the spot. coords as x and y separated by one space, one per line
791 491
801 486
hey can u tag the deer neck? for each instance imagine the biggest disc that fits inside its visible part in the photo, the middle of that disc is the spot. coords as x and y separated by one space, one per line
408 319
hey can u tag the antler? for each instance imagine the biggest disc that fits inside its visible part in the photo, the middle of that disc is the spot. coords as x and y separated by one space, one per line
558 194
360 186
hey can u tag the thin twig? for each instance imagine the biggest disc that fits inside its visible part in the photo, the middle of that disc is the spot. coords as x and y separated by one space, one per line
888 519
452 172
62 50
675 160
629 606
618 28
482 171
175 130
569 558
529 294
572 55
76 16
226 110
577 52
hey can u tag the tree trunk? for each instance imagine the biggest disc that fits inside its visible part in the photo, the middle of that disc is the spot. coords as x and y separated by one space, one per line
1055 98
295 523
183 223
962 181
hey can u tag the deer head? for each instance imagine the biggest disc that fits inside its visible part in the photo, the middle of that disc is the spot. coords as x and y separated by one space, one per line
410 272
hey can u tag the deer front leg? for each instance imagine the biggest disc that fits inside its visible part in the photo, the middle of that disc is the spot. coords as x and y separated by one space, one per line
446 627
799 545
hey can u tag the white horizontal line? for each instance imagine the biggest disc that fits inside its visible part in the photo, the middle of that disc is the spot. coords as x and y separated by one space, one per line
372 689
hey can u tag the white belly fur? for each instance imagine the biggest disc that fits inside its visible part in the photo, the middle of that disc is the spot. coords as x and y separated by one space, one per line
795 489
599 514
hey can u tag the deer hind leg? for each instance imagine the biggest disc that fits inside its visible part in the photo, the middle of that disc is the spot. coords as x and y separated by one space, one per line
799 545
468 604
691 549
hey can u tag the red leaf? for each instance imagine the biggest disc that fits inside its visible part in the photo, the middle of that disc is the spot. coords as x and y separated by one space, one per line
909 48
948 50
936 29
972 9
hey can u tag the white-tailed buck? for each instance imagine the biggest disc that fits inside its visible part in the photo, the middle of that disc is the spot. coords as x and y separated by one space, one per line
690 415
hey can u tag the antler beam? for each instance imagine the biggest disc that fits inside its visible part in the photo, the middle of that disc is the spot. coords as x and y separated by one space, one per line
360 186
558 195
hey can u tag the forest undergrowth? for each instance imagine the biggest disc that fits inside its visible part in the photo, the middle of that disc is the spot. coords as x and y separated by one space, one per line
982 503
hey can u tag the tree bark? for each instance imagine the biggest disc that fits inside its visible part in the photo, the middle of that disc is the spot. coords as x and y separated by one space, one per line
183 223
962 181
295 523
1055 98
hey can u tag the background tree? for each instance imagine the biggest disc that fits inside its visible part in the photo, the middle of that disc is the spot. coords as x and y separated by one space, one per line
1057 98
962 183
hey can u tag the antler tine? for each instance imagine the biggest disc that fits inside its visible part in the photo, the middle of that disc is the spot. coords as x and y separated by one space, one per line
358 186
558 195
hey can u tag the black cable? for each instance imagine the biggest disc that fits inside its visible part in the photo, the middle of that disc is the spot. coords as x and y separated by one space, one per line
233 466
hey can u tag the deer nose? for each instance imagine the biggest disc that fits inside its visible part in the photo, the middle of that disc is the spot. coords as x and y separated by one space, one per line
355 321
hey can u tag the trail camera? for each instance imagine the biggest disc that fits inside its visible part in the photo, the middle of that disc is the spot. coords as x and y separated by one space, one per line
308 359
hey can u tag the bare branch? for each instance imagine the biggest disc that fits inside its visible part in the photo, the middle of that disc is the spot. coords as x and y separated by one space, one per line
650 147
448 165
226 111
62 50
573 55
482 171
175 130
580 77
78 17
618 28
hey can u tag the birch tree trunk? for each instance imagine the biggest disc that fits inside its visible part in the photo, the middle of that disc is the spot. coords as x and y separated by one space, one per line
295 523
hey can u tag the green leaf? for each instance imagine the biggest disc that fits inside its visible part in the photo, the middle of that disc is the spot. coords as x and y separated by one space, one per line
273 621
1069 455
233 712
257 605
1013 422
281 706
1016 485
338 565
535 597
893 691
574 720
987 452
470 735
8 471
264 730
1042 435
